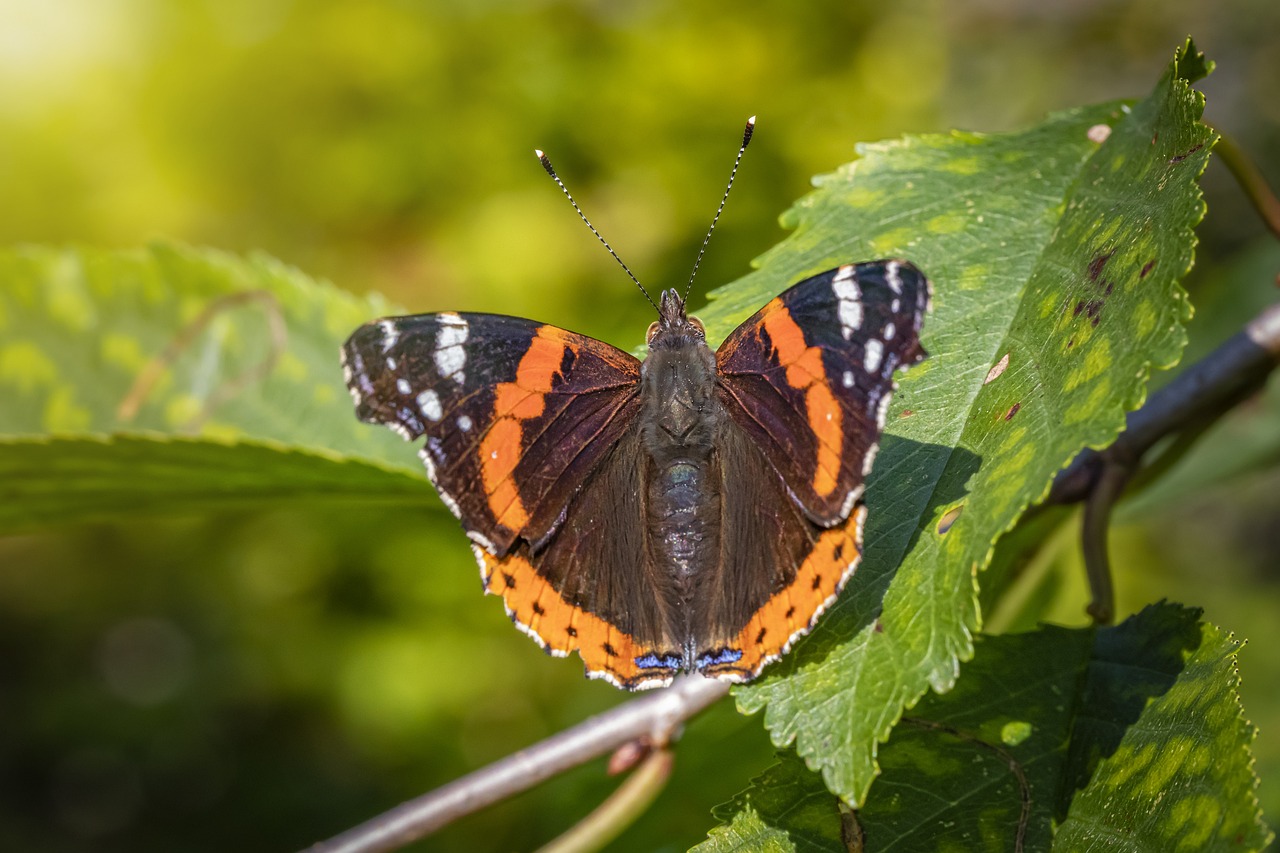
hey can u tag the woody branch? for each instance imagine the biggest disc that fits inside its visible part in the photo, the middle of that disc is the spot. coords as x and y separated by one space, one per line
655 718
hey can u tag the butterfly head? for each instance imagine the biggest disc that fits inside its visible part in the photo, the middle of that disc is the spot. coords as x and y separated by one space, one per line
674 327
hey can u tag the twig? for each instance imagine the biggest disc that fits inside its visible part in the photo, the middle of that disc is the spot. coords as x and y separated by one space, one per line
621 808
1191 402
1207 389
154 369
657 716
1097 517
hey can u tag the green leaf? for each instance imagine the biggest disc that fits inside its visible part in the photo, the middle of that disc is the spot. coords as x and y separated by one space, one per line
242 353
785 809
43 483
1127 738
1180 775
1047 247
81 325
983 764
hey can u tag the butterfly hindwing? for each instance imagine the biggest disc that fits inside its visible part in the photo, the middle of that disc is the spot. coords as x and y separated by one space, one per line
595 589
809 376
499 400
777 572
592 587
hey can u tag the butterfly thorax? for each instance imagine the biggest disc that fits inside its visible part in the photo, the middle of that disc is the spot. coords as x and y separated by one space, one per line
679 423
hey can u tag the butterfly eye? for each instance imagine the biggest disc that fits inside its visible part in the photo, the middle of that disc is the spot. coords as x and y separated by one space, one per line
698 327
653 330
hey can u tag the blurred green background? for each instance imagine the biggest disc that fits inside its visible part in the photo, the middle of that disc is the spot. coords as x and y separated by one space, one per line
263 680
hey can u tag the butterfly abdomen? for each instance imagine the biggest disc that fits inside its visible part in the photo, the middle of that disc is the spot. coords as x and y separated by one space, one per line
684 521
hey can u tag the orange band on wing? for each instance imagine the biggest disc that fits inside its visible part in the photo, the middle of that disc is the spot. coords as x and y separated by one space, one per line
792 611
515 402
805 372
560 628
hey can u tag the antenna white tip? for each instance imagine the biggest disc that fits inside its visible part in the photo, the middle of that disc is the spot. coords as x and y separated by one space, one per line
752 121
538 152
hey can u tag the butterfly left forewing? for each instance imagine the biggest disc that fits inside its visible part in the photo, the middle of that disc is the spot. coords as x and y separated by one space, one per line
515 413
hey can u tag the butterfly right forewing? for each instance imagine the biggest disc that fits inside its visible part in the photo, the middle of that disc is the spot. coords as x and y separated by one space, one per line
810 375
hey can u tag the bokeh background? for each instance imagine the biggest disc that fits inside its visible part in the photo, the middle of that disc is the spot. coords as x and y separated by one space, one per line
258 681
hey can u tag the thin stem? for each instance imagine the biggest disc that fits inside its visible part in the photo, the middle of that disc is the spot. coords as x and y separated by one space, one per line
1093 532
154 369
620 809
656 716
1251 180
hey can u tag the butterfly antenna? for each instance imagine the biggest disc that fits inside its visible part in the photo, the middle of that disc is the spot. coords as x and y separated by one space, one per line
746 140
546 164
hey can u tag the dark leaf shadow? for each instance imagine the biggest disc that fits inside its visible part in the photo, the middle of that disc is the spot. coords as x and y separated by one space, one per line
1132 664
909 487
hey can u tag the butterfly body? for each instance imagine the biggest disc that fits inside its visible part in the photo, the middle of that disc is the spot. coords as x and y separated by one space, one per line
679 426
696 511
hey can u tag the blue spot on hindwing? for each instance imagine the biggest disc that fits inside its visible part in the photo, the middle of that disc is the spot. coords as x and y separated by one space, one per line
718 657
653 661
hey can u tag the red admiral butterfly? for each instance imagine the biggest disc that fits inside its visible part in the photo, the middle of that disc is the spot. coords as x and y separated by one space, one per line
695 511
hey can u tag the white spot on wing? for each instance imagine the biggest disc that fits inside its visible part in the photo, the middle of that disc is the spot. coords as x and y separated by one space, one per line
390 334
849 301
430 465
873 355
450 357
848 379
464 423
851 499
889 332
482 540
869 462
403 386
429 403
882 413
893 276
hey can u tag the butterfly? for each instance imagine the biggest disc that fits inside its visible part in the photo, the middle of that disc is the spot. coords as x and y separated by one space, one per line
694 511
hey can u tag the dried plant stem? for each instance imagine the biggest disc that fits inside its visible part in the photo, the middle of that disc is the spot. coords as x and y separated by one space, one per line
620 810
